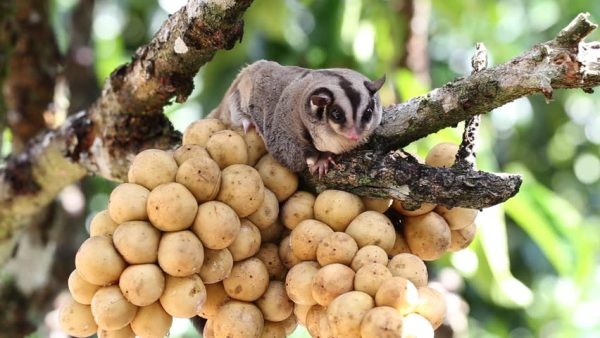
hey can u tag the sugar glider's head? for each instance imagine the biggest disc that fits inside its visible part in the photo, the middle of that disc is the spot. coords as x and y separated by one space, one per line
347 103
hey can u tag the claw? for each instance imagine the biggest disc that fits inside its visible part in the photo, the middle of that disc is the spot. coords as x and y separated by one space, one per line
320 164
246 125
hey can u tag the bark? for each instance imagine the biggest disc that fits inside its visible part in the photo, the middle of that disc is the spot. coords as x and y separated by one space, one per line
125 119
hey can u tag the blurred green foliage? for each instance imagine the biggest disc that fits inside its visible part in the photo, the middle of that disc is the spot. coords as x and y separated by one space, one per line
533 268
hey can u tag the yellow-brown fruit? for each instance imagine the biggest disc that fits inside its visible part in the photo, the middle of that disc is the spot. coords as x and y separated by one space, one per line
400 245
110 309
272 233
238 320
457 218
226 147
428 236
416 326
76 319
81 290
216 224
290 324
151 168
300 311
337 247
431 305
331 281
337 208
242 189
254 145
215 298
372 228
287 255
248 280
217 265
317 323
183 296
275 303
142 284
171 207
127 202
460 239
380 205
273 330
370 276
305 238
298 282
422 209
187 151
247 242
180 253
268 211
200 131
410 267
442 155
297 208
98 262
208 331
102 225
269 255
369 254
279 179
201 176
137 242
151 321
125 332
346 312
399 293
381 322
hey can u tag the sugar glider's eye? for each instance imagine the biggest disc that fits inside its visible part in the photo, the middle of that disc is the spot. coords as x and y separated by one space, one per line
366 117
337 115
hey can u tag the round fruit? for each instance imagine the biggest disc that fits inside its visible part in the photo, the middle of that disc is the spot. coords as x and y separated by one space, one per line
216 224
247 243
102 225
98 262
410 267
297 208
125 332
331 281
431 305
381 322
337 247
377 204
183 296
272 233
137 242
76 319
416 326
298 282
238 320
248 280
267 212
305 238
371 227
180 253
110 309
369 254
217 265
428 236
142 284
227 147
127 202
201 176
399 293
300 311
171 207
151 321
317 323
337 208
254 145
200 131
269 255
279 179
287 255
457 218
81 290
151 168
442 155
422 209
185 152
275 303
460 239
400 245
242 189
346 312
215 298
370 276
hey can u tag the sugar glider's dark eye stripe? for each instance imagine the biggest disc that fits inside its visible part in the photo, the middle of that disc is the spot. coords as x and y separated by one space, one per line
352 94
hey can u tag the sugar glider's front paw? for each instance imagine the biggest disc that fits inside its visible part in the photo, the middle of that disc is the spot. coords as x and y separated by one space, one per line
320 163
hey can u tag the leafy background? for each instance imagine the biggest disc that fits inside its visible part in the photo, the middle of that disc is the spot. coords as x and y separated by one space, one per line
533 269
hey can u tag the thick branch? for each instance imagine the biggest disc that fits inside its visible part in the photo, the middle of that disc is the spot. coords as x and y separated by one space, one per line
564 62
126 118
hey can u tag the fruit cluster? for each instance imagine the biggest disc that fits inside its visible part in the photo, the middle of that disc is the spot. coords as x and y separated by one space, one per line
199 232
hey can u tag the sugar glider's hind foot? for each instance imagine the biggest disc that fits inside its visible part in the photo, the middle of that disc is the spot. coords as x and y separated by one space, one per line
247 124
320 163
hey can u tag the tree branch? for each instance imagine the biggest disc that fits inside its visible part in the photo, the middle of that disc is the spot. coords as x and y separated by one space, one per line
126 118
564 62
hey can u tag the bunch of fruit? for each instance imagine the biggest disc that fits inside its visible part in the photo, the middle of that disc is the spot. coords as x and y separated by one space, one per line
199 232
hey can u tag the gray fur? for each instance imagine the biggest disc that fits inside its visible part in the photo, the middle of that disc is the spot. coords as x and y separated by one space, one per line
277 100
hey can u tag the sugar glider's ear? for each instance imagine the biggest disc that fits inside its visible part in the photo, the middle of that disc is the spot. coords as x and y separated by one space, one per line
321 97
374 86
